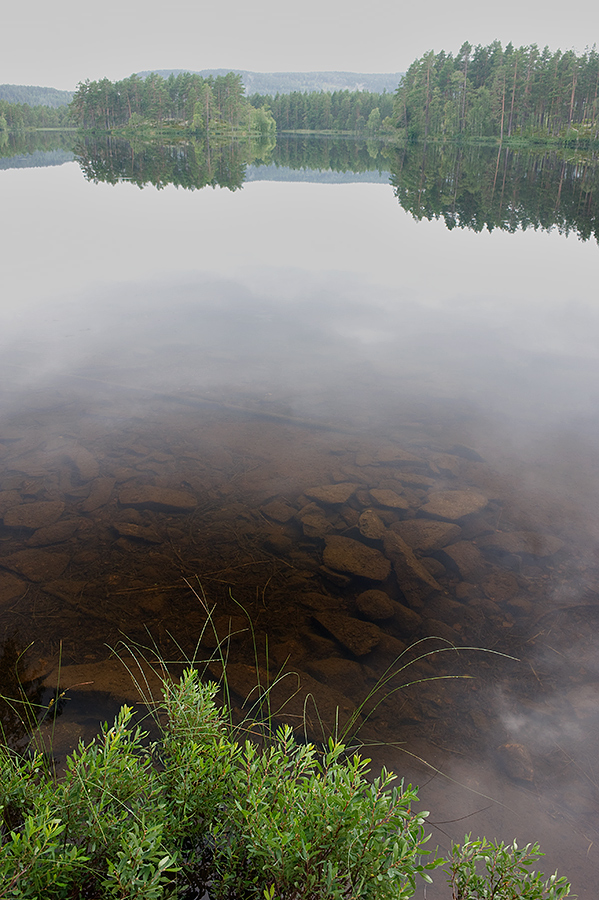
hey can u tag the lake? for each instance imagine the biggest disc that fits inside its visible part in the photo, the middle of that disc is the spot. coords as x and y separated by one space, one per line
331 408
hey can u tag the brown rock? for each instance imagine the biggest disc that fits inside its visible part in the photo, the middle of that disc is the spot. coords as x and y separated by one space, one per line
356 636
371 526
279 510
34 515
36 565
137 532
516 761
85 463
530 543
425 535
345 675
54 534
435 628
8 499
501 586
389 498
307 705
314 522
447 464
407 620
412 576
467 559
416 480
277 542
387 652
375 605
99 494
332 494
128 679
433 565
149 497
11 588
346 555
454 505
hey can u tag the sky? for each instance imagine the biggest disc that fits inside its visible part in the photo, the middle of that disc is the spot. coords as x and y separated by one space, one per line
59 44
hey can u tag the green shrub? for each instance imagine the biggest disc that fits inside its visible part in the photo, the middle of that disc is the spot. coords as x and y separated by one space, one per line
481 870
261 819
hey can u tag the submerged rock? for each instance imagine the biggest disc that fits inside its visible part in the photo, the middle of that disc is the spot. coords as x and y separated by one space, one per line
375 605
54 534
516 761
99 494
388 498
500 586
530 543
279 510
454 505
467 559
356 636
137 532
149 497
11 588
314 522
425 535
36 565
346 555
34 515
332 494
371 526
412 576
310 707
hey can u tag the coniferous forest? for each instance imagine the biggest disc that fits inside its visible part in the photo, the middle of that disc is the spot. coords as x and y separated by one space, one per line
184 100
360 111
495 92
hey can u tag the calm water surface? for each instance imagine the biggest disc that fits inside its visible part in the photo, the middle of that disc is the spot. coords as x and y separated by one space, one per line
185 378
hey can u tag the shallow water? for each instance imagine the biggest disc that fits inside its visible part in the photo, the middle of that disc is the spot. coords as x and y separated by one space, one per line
186 375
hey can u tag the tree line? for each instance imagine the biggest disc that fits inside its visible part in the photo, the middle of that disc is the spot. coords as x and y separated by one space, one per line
16 116
34 95
187 99
356 111
500 92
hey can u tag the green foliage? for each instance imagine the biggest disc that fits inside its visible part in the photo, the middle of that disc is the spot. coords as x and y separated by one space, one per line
481 870
327 111
21 115
35 95
209 106
499 92
311 825
265 818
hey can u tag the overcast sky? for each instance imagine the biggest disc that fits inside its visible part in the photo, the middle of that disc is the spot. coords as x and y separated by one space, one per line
58 44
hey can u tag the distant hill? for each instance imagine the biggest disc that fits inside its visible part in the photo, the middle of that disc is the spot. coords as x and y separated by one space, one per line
35 96
286 82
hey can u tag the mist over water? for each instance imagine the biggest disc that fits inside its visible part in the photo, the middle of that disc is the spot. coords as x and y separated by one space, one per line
248 346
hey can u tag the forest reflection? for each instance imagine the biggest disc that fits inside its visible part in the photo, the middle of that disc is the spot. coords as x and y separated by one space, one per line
477 188
466 186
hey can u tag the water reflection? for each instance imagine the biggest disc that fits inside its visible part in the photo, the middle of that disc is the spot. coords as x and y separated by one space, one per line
472 187
322 414
488 188
190 164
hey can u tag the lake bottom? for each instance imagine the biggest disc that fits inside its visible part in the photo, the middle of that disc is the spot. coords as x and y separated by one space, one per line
397 576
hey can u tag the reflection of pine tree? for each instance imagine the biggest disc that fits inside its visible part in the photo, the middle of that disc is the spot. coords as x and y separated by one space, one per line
477 188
